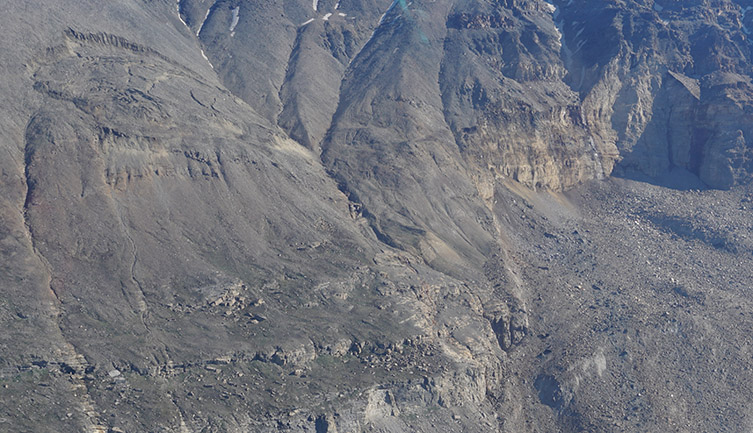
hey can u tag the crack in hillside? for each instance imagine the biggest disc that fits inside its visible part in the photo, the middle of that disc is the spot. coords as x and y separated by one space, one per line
445 111
141 306
69 355
356 207
285 80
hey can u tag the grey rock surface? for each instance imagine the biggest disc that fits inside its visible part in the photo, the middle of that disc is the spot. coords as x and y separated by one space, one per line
375 216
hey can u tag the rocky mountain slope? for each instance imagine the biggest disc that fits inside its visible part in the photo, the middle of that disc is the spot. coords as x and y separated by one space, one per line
375 216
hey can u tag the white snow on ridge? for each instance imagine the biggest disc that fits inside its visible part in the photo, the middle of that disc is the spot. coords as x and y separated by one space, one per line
550 7
341 14
326 16
207 59
307 22
180 17
381 20
177 7
385 14
206 16
337 5
315 4
236 17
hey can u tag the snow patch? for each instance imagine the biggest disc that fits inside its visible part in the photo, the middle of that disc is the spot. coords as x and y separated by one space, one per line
385 14
341 14
315 5
177 7
307 22
207 59
580 45
206 16
180 17
580 42
326 16
337 5
550 7
381 20
236 17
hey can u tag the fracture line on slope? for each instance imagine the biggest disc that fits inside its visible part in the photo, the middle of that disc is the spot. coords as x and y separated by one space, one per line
66 352
385 14
381 20
138 295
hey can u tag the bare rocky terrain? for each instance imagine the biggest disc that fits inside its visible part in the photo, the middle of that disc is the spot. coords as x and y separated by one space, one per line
376 216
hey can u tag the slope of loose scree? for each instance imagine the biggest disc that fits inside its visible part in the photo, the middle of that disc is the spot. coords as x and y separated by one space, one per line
374 215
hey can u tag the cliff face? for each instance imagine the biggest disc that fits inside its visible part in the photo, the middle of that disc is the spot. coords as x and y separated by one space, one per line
578 83
364 215
545 94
